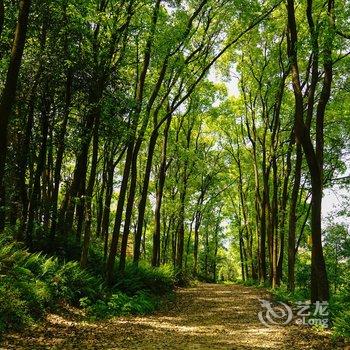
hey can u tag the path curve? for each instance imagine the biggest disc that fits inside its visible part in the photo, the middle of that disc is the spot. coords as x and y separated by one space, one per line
208 316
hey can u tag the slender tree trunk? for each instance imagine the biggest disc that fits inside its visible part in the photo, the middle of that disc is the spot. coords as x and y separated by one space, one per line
167 229
119 215
181 232
293 219
274 219
245 219
197 224
128 211
241 257
189 242
159 197
283 209
23 164
44 209
59 155
263 228
181 222
216 253
35 193
89 192
206 254
107 207
101 195
143 200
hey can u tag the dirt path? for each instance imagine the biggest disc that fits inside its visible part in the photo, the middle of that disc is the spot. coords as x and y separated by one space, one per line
204 317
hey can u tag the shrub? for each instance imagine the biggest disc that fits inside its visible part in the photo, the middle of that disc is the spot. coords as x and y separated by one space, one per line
340 312
155 280
184 278
120 304
32 283
14 313
282 294
248 282
341 325
71 282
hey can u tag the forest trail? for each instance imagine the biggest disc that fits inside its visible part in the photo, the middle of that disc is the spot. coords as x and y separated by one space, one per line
208 316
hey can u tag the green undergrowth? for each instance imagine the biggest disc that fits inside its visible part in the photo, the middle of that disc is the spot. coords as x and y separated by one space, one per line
119 303
338 309
33 283
282 294
340 313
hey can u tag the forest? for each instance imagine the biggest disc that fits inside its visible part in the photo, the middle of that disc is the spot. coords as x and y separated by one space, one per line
153 148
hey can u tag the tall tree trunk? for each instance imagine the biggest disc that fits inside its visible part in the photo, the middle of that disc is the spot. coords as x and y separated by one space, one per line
35 193
143 200
245 221
274 220
47 181
167 229
59 155
293 219
216 252
188 244
183 193
314 157
111 164
241 256
101 195
130 152
9 94
23 164
283 207
107 206
159 197
128 211
89 192
78 187
197 223
119 215
206 255
263 229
